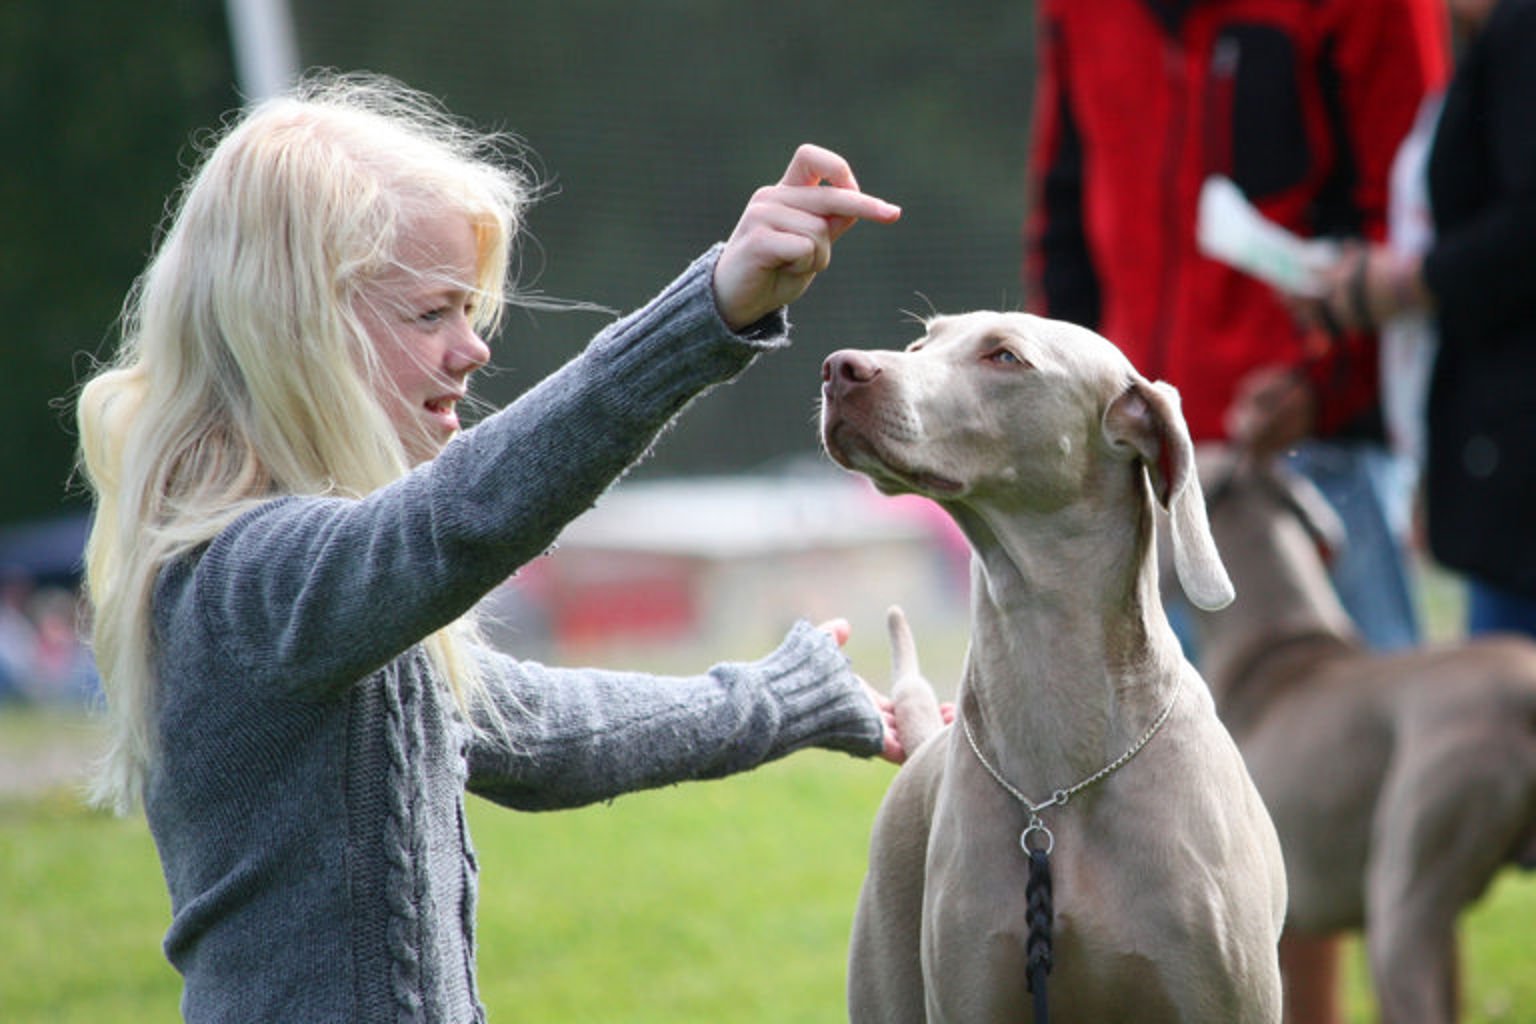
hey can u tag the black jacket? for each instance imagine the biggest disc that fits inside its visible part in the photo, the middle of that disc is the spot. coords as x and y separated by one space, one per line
1481 474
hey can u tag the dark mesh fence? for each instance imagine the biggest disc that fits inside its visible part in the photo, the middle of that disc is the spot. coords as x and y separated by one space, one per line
655 121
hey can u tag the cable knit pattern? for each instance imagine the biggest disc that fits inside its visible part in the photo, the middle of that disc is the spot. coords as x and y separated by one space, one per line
307 800
400 886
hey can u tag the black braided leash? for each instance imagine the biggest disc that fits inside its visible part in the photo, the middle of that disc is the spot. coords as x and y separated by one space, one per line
1039 913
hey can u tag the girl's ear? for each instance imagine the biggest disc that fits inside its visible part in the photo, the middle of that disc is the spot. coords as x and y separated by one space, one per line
1144 422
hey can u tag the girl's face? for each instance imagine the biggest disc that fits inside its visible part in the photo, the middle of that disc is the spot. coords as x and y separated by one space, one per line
417 315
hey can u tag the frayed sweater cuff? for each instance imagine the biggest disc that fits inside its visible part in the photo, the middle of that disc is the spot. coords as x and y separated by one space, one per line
823 703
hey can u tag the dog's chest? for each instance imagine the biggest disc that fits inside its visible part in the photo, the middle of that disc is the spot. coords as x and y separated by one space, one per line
975 919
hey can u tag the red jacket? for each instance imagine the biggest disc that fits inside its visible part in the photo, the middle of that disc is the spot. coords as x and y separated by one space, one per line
1301 102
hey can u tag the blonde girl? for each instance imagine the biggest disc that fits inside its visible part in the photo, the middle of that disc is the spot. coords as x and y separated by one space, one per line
292 531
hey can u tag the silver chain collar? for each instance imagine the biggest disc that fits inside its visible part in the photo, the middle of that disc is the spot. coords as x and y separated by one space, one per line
1060 797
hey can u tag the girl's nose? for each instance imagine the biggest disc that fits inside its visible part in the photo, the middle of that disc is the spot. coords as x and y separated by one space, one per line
468 353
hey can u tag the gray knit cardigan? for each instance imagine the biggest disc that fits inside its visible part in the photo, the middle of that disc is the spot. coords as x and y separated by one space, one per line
307 798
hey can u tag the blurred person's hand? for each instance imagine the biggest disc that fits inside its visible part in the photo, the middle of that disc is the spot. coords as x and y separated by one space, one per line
1366 287
1274 409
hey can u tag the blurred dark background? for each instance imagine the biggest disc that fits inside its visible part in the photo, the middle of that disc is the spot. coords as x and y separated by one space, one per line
650 123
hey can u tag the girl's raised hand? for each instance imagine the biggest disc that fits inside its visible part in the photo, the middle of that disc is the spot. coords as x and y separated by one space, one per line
784 237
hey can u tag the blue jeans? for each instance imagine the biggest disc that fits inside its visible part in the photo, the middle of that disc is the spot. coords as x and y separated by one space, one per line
1372 492
1491 610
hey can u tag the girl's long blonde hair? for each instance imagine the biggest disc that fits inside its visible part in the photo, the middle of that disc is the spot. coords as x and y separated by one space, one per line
244 372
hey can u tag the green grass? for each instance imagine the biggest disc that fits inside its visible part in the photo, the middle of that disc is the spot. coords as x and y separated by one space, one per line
725 901
84 909
720 902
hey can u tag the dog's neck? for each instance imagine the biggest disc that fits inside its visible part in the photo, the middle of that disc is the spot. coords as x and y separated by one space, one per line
1285 603
1071 655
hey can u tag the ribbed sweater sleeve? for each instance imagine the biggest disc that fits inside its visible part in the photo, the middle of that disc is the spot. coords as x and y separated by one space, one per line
572 737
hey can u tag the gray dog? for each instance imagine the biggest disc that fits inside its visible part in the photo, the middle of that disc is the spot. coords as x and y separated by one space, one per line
1400 783
1082 735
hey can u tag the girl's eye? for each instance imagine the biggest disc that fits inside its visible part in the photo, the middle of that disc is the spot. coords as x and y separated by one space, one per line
436 314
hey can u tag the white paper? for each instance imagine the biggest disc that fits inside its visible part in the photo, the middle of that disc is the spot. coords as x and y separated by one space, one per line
1231 230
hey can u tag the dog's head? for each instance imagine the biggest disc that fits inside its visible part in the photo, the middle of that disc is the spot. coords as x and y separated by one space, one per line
1021 414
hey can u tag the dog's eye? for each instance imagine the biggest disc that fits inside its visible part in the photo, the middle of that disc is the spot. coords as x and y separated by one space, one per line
1004 357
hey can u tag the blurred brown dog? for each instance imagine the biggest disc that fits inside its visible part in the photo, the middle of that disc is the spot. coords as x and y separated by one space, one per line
1400 784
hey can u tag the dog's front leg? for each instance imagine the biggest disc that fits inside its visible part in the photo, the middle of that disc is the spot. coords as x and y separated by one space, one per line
1445 820
885 974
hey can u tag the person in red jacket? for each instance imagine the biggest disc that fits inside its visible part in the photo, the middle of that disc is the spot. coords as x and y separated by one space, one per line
1302 104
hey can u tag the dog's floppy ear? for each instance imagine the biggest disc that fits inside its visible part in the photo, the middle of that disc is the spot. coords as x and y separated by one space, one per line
1145 420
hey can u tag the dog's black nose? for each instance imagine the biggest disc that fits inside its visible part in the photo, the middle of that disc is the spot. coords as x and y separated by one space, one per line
849 366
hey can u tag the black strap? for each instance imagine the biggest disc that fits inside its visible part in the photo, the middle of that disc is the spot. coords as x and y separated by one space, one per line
1039 913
